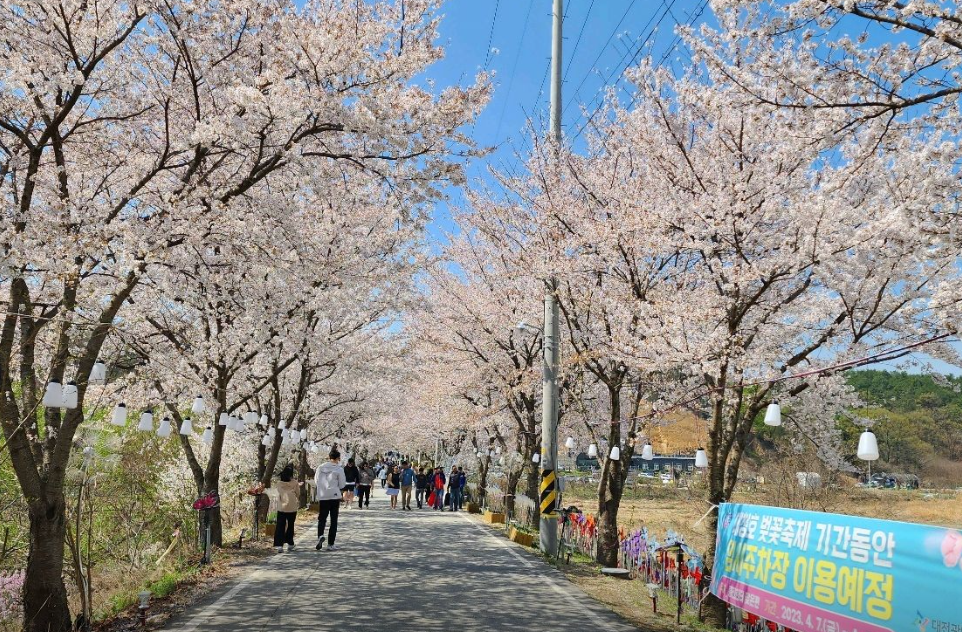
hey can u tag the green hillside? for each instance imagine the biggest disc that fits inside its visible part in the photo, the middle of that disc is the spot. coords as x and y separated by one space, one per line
918 423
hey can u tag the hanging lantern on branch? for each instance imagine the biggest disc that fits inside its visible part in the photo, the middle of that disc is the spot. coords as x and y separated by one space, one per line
119 418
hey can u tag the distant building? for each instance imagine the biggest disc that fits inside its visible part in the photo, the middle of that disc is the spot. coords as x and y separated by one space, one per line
657 465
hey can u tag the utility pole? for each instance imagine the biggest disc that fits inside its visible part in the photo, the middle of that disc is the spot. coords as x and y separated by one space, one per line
548 532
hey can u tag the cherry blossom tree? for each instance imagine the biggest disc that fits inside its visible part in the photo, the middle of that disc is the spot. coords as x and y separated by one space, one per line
474 303
782 261
130 133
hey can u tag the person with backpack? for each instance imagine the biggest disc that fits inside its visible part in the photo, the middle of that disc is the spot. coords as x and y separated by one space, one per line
288 500
439 481
351 475
364 483
407 482
329 480
421 488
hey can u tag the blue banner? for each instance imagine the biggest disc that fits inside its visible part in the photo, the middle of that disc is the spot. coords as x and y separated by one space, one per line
820 572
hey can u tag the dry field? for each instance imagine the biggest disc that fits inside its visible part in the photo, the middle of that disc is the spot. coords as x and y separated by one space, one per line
680 509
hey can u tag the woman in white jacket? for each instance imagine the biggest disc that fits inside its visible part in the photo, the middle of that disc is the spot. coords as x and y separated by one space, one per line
330 481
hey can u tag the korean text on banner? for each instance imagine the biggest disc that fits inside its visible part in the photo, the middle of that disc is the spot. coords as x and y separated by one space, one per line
820 572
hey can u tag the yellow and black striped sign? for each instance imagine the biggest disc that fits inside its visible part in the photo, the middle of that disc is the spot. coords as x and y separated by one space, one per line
549 493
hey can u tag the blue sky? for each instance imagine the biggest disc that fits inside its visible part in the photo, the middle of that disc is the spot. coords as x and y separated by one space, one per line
513 39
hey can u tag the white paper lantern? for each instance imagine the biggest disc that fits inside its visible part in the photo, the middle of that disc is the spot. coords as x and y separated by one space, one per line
70 395
773 416
208 436
98 373
186 429
119 418
570 443
647 453
233 423
146 421
868 446
250 418
615 454
282 424
198 405
701 458
285 433
593 451
53 395
163 430
263 421
535 458
223 419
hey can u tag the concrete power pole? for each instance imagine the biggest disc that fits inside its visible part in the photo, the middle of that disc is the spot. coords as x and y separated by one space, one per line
549 396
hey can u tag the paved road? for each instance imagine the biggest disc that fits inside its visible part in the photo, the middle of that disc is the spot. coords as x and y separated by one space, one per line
420 571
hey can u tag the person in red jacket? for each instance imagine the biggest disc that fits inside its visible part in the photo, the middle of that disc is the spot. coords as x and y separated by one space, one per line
439 481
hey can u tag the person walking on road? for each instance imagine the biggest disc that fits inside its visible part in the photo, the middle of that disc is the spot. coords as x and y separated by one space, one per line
439 481
329 480
351 475
383 474
364 482
463 478
421 487
288 500
454 490
407 482
394 485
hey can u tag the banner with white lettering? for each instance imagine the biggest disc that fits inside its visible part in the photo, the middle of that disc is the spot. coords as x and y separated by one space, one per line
820 572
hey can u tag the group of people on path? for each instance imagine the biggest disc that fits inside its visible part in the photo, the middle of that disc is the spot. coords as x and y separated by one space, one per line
432 489
336 484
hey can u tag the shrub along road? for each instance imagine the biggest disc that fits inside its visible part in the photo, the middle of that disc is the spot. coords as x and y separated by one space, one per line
422 571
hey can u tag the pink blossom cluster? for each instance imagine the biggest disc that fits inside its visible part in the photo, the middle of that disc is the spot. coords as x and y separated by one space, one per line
11 587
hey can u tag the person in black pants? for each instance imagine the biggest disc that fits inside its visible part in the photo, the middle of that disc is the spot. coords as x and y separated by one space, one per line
330 481
364 482
421 488
287 503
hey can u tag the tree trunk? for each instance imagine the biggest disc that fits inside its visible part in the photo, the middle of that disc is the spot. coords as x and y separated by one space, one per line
713 610
608 505
45 606
483 479
513 479
611 487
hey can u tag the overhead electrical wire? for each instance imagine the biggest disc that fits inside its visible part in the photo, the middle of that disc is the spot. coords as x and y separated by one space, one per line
694 16
603 49
494 20
514 68
629 58
631 53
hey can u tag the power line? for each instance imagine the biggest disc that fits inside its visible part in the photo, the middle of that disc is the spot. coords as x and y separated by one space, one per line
581 32
514 68
494 19
603 49
632 57
678 39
